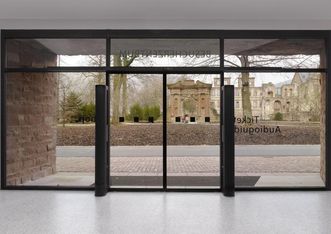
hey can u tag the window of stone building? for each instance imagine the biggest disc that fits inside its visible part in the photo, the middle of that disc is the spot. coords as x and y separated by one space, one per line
288 106
277 106
278 91
270 94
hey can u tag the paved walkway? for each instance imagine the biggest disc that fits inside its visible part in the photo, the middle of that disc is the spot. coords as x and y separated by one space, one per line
147 160
191 165
192 150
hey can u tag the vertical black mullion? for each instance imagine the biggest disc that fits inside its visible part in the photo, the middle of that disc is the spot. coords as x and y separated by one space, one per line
327 115
221 41
164 131
3 113
108 53
108 48
108 127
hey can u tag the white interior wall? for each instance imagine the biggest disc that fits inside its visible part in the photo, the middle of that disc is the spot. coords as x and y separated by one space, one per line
165 14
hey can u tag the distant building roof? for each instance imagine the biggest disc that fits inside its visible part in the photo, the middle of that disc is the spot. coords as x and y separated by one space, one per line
183 84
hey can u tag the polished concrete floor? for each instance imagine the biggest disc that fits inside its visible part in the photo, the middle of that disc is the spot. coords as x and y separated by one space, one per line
160 212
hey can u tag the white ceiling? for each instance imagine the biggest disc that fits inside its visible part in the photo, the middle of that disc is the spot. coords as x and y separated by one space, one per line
308 14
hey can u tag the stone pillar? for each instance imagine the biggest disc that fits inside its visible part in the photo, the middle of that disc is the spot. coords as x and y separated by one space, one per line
31 105
323 119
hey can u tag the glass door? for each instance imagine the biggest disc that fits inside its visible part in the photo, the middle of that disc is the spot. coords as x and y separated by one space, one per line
193 131
136 131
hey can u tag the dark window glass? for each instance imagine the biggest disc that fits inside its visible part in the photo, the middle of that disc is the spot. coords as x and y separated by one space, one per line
43 53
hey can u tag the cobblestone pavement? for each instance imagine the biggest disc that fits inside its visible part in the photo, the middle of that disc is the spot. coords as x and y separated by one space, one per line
193 165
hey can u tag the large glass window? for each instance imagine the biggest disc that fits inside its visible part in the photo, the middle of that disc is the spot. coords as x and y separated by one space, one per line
279 131
279 117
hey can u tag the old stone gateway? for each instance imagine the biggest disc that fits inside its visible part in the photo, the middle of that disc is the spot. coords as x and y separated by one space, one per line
190 102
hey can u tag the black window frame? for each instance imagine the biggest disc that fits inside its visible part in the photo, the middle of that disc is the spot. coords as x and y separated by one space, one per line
166 34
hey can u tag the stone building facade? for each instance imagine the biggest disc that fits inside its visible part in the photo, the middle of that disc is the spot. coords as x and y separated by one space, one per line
298 100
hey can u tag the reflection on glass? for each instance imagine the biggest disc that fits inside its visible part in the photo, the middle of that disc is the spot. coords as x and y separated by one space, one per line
279 127
43 53
287 53
50 128
165 52
136 131
193 131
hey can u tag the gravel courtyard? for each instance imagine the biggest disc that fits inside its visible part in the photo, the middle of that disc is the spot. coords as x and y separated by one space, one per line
187 134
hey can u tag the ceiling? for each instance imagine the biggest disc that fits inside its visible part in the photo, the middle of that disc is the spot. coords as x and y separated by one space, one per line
166 13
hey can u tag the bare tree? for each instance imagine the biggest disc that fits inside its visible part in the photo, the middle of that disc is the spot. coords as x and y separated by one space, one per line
90 80
64 87
120 86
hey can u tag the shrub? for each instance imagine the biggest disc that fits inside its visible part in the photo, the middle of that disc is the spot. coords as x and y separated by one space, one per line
88 110
72 106
144 112
153 111
278 116
136 111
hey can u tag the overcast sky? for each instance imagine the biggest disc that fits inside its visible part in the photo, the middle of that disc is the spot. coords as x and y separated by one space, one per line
260 78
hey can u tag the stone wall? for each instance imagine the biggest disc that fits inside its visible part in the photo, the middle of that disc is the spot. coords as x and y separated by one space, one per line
323 119
31 115
322 134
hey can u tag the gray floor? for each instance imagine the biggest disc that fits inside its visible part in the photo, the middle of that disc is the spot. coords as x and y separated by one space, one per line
159 212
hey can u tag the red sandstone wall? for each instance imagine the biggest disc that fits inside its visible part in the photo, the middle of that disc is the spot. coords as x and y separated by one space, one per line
31 115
